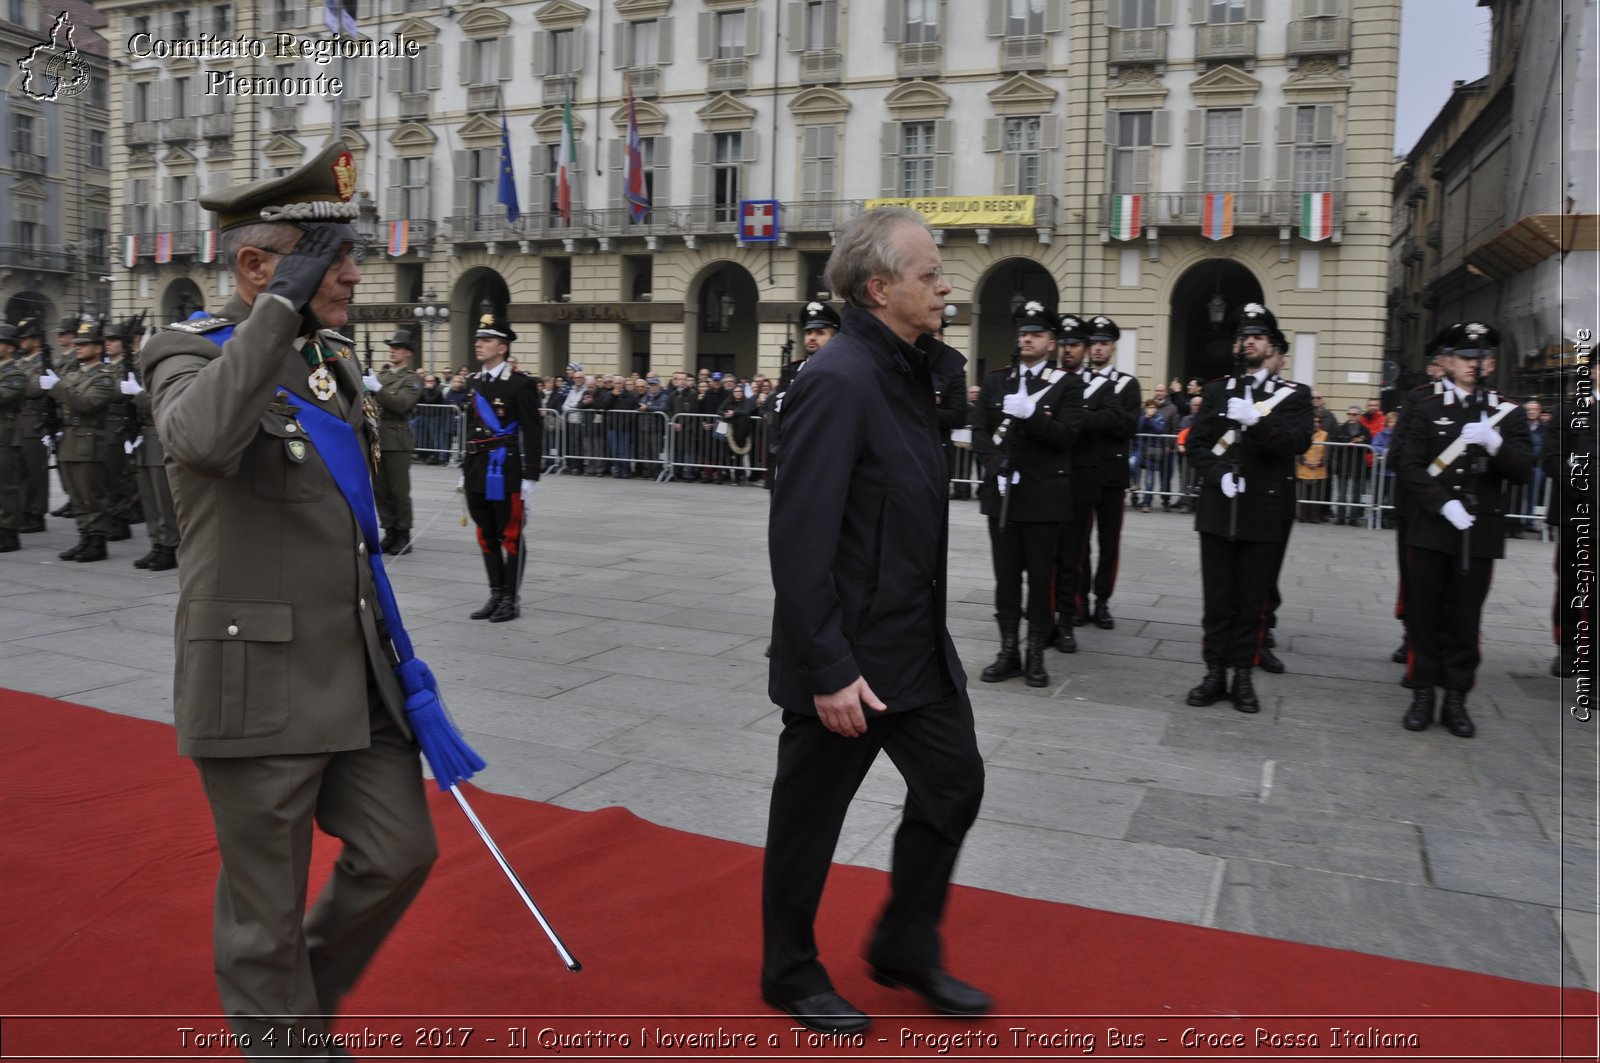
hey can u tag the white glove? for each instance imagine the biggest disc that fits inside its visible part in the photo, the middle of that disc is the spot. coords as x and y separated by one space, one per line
371 382
1231 484
1457 514
461 482
1485 436
1244 411
49 380
527 489
1020 406
130 386
131 445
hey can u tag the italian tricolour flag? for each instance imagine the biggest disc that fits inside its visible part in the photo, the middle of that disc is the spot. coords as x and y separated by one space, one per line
1316 215
1127 217
566 165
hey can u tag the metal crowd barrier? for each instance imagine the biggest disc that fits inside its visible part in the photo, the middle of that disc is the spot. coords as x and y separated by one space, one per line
622 443
439 433
705 447
550 422
1159 469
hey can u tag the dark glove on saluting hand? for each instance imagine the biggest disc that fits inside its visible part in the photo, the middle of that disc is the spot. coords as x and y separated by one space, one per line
300 272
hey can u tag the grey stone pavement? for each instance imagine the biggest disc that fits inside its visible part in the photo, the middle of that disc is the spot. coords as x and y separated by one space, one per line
636 677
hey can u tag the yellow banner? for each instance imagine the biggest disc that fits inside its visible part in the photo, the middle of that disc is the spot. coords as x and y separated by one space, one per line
947 212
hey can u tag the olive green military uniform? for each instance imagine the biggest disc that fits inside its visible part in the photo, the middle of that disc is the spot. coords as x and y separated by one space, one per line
13 400
85 398
155 493
391 483
119 465
38 411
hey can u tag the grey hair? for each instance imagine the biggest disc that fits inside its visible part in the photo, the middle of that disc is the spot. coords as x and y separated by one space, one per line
865 249
263 234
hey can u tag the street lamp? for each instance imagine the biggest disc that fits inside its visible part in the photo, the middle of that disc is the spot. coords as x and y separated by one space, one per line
429 315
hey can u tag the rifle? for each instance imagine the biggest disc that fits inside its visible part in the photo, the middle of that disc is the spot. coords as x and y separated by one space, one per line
1002 437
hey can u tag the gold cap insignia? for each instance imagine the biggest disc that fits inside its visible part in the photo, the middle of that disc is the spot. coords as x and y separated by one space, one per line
344 172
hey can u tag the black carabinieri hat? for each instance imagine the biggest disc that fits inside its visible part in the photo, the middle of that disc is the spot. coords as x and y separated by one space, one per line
1104 329
820 315
1033 317
1467 339
1254 319
496 326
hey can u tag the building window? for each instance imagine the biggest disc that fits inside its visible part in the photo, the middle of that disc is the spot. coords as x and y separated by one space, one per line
1024 18
1130 160
97 149
1224 138
481 182
413 188
181 196
816 27
647 158
99 239
414 74
22 134
1313 148
563 51
725 166
1226 11
646 43
141 23
1022 148
180 24
15 13
138 208
922 22
283 14
179 98
730 35
916 158
221 20
483 59
1136 14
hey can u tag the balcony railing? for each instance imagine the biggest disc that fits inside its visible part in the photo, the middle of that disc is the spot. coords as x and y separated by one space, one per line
820 68
558 88
482 228
1232 40
1250 209
646 81
727 74
419 235
414 105
217 125
1139 46
819 215
139 134
919 60
483 98
1319 36
27 162
21 256
179 130
1024 53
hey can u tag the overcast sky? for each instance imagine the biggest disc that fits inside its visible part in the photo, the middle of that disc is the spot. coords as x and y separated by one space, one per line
1441 42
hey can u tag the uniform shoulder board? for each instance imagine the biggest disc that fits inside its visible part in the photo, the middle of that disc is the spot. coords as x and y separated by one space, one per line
199 326
1122 383
1053 375
333 337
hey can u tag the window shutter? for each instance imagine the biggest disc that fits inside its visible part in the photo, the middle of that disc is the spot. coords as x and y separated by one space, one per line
1199 11
616 160
797 26
1055 16
395 73
1283 169
1337 166
943 137
580 50
1286 124
621 45
810 150
1141 171
541 53
994 132
1197 126
1008 174
1251 124
469 76
1165 16
1161 129
707 40
894 21
943 168
700 191
365 79
1049 132
391 201
943 159
1324 123
889 158
1113 15
463 182
752 32
997 18
830 25
1195 161
660 169
1113 129
506 55
664 40
1250 168
1255 10
748 145
435 62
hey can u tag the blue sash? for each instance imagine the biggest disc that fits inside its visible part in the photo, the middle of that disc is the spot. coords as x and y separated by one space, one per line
494 481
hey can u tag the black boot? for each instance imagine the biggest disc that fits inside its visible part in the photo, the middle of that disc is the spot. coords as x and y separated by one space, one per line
510 608
1244 692
1066 641
1008 662
120 531
9 541
1453 714
401 545
166 558
1268 661
1033 672
1403 654
144 562
1563 667
1080 614
488 609
31 523
65 512
1420 714
1102 617
94 549
72 552
1212 689
387 542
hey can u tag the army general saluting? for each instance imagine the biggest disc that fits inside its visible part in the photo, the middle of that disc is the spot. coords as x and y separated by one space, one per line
285 693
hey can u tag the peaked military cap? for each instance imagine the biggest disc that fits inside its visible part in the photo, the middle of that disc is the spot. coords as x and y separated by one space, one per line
68 324
496 326
1072 329
1254 319
9 333
89 332
402 339
29 328
318 191
1278 340
1033 317
1467 339
819 315
1103 328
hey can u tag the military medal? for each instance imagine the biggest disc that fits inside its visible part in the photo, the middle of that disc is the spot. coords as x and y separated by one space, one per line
322 383
296 449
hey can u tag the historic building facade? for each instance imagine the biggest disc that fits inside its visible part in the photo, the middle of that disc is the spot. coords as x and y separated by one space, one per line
1162 161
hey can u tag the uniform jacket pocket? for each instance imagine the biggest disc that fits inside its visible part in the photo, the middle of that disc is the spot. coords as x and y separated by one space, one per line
236 668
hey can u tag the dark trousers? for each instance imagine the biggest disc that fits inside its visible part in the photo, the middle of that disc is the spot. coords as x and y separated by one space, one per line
391 489
1236 579
1077 573
1443 614
280 967
936 751
1269 612
35 476
1023 546
1571 615
500 525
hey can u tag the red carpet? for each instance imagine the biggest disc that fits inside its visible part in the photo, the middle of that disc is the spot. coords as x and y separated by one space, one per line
108 868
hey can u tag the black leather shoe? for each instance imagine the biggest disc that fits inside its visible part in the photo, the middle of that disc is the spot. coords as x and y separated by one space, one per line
120 532
1212 689
1420 714
1270 642
1453 714
9 541
1008 662
387 542
1268 661
1033 672
488 608
1080 616
824 1012
1102 617
166 558
30 525
65 512
508 609
71 553
1244 691
1065 640
1403 654
93 549
943 991
401 545
144 562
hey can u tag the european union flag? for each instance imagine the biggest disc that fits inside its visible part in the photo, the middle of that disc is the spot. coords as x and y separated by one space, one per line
508 181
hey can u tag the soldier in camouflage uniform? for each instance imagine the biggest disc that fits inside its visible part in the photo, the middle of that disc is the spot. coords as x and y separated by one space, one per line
119 466
86 397
39 414
396 389
14 385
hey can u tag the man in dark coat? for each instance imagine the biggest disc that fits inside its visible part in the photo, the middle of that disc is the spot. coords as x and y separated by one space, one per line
1243 446
1461 446
1022 430
861 658
505 441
